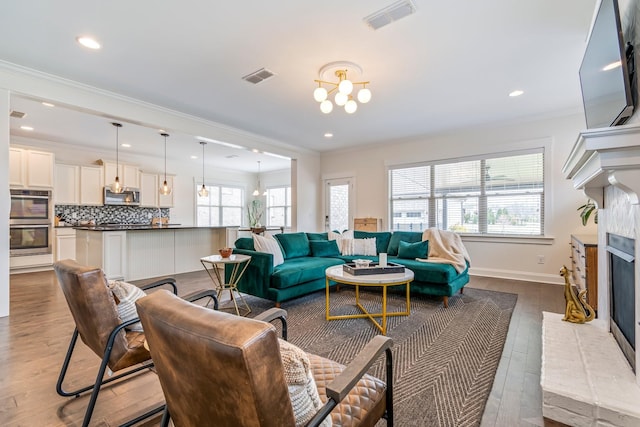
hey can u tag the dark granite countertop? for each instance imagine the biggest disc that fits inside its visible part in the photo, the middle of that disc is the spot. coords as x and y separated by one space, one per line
136 227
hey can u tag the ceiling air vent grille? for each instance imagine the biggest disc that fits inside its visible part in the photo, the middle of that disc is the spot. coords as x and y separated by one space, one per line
391 13
17 114
258 76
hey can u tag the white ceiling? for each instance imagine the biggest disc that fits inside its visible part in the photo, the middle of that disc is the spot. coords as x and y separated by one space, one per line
449 65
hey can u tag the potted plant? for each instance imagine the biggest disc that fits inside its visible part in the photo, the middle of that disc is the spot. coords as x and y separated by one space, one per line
586 210
255 210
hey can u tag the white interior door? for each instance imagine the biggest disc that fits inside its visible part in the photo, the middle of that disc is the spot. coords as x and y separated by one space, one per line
338 204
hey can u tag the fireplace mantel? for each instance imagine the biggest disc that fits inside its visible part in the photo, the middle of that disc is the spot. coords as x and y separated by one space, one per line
606 156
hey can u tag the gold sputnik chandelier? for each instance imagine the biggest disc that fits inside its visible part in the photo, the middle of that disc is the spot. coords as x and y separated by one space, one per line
343 88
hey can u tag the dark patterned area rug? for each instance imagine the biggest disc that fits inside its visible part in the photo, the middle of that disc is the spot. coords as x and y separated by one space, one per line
445 359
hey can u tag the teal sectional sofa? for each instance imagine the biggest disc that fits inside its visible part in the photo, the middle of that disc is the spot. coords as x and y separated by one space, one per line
308 255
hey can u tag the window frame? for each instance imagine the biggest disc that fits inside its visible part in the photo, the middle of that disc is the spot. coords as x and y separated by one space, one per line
287 206
432 200
220 207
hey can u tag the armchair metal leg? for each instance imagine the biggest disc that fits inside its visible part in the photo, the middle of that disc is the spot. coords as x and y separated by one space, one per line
95 387
389 392
165 418
65 367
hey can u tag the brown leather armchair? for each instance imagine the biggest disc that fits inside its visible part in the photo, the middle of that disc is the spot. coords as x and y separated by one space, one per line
97 323
219 369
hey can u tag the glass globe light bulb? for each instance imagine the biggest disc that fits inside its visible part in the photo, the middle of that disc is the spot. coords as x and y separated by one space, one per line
320 94
165 190
116 187
326 106
364 95
350 107
345 87
341 99
203 191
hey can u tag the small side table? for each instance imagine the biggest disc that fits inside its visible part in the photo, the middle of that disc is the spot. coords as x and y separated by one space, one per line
214 263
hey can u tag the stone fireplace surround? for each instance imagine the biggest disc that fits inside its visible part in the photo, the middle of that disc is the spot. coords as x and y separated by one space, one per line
586 380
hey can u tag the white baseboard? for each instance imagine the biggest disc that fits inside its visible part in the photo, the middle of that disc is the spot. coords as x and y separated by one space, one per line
526 276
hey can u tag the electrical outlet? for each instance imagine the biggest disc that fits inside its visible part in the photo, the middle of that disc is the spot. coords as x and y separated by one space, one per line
541 259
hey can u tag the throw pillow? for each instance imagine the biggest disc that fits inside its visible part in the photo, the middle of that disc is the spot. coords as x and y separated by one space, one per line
125 295
413 250
303 392
294 245
268 245
324 248
358 246
402 236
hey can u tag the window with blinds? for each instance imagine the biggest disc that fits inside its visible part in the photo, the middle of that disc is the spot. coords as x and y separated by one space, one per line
500 194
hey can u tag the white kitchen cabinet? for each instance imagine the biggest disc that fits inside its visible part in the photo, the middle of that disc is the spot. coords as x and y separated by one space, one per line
150 196
148 190
66 190
91 185
128 174
104 249
65 244
30 168
166 201
40 166
17 167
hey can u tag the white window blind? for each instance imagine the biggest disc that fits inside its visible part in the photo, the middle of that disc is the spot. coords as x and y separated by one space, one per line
495 194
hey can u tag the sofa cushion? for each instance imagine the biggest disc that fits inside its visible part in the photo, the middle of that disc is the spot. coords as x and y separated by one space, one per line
294 245
318 236
413 250
297 271
404 236
382 238
429 271
324 248
245 243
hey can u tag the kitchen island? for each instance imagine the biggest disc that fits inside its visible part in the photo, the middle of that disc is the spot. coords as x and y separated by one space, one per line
141 251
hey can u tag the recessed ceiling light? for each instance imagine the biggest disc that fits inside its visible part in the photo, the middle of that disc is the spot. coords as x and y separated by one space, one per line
328 135
125 145
29 128
194 157
255 150
516 93
47 104
88 42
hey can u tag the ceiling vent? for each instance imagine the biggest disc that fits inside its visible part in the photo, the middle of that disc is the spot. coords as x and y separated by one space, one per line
258 76
391 13
17 114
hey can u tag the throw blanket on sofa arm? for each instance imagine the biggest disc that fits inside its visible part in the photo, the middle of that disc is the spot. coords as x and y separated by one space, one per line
445 247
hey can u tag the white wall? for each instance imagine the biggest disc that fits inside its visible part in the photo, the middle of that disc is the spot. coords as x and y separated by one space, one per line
518 260
4 206
305 194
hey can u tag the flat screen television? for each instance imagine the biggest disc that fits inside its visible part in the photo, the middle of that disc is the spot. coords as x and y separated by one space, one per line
604 73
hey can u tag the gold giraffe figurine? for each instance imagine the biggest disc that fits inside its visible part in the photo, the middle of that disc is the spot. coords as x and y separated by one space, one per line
577 310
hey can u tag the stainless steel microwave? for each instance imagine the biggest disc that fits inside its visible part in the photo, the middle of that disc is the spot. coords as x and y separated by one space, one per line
128 197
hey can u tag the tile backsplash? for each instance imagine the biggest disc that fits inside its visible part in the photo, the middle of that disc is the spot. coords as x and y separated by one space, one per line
72 214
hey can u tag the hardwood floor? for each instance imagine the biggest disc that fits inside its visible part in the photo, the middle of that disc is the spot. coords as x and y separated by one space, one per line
35 337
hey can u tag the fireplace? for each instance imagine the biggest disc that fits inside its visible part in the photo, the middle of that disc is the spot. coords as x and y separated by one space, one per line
589 376
622 295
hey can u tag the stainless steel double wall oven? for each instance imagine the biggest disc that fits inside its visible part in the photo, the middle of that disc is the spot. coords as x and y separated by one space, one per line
30 222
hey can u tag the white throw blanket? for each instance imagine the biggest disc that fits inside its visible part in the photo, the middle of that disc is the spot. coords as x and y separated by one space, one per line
445 247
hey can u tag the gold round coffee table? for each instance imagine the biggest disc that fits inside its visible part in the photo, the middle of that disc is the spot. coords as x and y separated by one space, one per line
338 275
